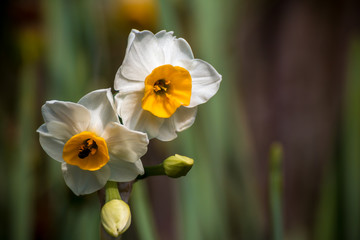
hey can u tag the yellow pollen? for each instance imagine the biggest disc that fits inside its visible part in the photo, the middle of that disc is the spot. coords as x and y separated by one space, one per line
166 89
87 151
161 86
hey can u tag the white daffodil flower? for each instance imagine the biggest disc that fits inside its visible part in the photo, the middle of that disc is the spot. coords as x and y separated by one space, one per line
160 84
91 144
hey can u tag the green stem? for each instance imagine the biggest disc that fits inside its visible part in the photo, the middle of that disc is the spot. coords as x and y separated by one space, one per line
111 191
275 185
156 170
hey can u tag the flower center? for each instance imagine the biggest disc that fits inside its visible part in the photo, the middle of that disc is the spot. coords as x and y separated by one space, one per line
87 151
161 86
89 146
166 89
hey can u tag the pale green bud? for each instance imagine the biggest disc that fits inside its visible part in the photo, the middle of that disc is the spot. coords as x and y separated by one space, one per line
177 166
115 217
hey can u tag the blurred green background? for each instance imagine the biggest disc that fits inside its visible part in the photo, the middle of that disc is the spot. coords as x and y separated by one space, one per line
291 74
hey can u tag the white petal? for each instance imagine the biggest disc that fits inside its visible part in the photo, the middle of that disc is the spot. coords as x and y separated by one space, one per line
121 81
125 144
167 130
51 145
181 50
184 118
100 103
134 117
124 85
74 115
205 81
124 171
131 39
143 56
164 36
60 130
174 49
84 182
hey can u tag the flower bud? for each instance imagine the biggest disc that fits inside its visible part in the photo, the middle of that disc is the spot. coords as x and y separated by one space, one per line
177 166
115 217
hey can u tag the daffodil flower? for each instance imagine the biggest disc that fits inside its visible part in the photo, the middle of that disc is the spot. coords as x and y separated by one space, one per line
160 84
91 144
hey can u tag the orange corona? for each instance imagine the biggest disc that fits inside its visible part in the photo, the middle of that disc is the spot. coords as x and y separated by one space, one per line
87 151
166 89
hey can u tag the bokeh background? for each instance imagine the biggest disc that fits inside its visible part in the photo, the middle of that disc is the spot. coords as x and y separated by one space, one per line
291 74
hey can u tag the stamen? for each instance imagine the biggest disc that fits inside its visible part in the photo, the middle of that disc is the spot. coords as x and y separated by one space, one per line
89 146
161 86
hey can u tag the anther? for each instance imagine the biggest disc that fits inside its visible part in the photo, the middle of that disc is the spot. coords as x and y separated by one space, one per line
89 146
161 86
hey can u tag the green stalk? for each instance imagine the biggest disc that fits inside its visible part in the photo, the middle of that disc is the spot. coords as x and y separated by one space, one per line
111 191
351 139
156 170
142 212
275 185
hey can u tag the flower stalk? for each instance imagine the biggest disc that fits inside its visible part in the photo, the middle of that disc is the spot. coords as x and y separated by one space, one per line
174 166
111 191
156 170
275 187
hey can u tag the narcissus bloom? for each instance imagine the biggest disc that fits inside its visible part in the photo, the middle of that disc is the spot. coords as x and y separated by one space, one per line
160 84
91 144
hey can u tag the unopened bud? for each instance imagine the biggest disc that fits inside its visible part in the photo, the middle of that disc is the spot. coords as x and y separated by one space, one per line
115 217
177 166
